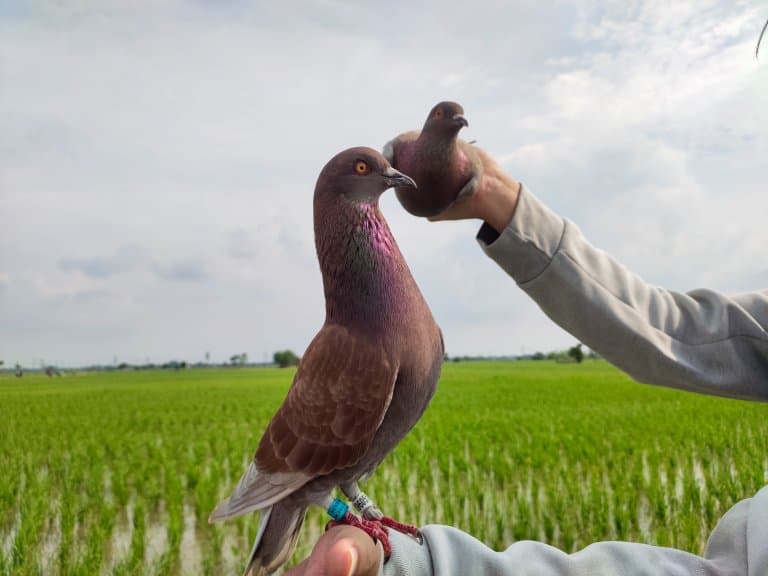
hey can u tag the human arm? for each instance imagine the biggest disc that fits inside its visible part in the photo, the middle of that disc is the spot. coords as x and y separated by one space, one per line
701 340
736 546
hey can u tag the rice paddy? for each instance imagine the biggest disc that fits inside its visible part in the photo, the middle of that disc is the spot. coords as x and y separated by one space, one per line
116 472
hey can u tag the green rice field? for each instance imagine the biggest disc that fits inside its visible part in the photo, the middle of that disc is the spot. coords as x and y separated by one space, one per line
116 472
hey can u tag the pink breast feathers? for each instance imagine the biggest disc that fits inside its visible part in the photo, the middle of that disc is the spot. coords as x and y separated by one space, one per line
377 231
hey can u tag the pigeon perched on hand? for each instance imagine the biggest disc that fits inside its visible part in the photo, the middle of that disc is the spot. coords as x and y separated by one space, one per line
364 381
444 167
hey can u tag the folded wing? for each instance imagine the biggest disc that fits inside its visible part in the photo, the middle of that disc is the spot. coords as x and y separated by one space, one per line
327 422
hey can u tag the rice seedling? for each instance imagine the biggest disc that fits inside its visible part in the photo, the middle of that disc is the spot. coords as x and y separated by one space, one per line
116 473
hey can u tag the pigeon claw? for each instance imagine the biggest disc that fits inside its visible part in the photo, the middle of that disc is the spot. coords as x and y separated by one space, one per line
400 527
374 528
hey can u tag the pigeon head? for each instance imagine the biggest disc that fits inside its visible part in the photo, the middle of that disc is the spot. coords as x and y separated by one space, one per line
359 175
445 118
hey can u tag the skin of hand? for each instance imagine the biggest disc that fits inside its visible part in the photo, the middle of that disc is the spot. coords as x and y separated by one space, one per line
493 200
341 551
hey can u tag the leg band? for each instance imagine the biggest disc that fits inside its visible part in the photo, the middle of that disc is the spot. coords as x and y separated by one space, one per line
337 510
362 502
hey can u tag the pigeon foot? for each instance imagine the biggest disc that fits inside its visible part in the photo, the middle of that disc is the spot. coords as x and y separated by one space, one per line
401 527
370 511
374 528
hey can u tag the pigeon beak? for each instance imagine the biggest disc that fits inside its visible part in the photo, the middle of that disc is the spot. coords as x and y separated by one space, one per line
397 179
460 119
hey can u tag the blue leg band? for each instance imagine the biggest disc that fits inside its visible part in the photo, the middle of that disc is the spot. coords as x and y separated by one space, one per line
337 510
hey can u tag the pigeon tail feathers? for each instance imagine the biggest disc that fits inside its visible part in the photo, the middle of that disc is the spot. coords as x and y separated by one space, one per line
257 490
275 541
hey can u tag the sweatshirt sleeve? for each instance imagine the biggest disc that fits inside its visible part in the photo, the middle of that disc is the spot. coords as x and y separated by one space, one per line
701 341
736 546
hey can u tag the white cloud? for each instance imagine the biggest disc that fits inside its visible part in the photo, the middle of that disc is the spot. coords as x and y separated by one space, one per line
194 133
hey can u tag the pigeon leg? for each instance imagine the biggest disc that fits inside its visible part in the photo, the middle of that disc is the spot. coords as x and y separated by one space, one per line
361 502
340 513
370 511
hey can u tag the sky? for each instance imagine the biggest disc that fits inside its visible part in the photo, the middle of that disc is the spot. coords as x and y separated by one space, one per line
158 160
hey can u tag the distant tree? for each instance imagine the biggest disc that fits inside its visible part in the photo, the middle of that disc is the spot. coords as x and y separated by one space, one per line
576 353
285 358
538 356
239 359
174 365
558 356
19 370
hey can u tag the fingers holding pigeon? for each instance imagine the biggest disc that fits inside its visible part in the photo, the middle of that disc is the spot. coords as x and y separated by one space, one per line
341 551
493 199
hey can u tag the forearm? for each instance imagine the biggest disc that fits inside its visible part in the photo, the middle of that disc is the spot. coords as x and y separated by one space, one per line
449 551
700 341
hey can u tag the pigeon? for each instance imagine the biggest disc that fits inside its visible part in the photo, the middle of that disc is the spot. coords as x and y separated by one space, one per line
444 167
364 380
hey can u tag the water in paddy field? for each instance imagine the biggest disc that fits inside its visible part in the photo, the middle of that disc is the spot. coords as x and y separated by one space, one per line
470 498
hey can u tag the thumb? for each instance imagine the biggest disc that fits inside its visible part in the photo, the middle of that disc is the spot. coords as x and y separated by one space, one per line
341 551
353 553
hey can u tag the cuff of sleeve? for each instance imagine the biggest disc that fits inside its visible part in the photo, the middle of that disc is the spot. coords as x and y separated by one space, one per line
527 245
409 557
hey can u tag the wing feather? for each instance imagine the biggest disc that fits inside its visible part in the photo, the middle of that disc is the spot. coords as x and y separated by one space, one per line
336 403
256 491
389 151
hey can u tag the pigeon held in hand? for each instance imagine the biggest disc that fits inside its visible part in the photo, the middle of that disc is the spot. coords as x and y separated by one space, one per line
364 381
444 167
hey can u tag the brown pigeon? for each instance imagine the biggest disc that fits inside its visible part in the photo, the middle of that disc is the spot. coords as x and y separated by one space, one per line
444 167
364 380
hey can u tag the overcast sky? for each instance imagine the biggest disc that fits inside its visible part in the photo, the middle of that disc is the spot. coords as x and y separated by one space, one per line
158 159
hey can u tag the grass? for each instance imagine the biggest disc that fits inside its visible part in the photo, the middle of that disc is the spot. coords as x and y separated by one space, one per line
116 473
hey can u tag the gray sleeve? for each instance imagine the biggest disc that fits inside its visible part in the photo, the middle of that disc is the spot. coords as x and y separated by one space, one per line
448 551
701 341
736 546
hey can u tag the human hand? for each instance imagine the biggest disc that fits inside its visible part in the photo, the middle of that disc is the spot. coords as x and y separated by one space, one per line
341 551
493 200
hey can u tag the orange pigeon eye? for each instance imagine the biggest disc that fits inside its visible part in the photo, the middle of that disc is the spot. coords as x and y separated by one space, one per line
361 167
439 113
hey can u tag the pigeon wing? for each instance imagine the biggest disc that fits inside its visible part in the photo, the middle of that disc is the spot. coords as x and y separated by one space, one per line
389 151
337 401
257 490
